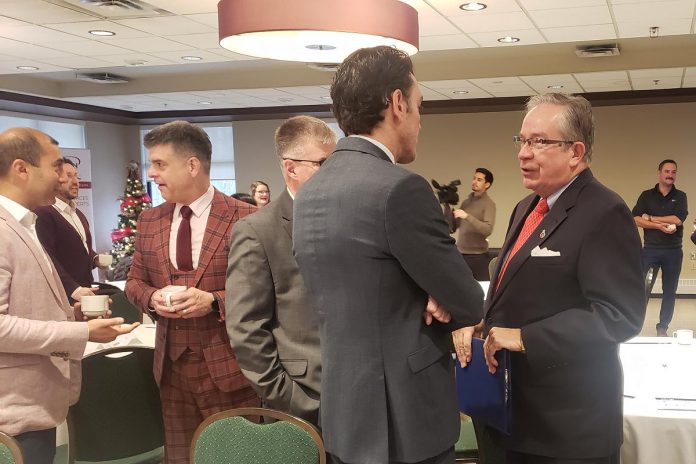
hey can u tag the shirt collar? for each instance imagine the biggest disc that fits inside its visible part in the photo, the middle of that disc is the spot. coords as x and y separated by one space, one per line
551 200
19 212
290 193
63 206
379 145
199 205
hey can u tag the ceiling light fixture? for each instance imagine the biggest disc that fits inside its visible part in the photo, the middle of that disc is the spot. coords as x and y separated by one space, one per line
299 31
205 103
191 58
508 40
27 68
555 87
460 92
473 6
135 62
102 33
654 32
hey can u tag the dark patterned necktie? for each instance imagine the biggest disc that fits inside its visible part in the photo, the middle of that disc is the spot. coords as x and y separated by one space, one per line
184 260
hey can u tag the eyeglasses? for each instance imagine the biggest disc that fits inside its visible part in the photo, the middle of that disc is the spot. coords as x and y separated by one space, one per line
535 143
318 163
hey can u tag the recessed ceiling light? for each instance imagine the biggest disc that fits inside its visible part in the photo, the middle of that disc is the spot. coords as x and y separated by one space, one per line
557 86
191 58
473 6
102 33
27 68
136 62
508 40
460 92
205 103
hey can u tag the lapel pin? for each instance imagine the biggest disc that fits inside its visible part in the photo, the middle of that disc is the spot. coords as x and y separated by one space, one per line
542 234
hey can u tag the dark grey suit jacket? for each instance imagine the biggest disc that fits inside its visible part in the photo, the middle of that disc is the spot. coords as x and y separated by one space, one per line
269 320
574 309
372 244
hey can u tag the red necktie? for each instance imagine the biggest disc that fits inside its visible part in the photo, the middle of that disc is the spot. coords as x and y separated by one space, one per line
530 224
183 241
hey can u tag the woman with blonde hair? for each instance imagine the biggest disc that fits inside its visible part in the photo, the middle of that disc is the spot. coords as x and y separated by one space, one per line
261 193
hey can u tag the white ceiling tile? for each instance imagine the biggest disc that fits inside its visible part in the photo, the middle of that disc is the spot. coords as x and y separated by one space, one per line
35 34
674 9
7 21
7 57
493 22
232 56
531 5
571 16
690 72
658 73
168 25
178 97
82 29
429 94
447 84
309 91
620 2
471 92
176 57
658 83
451 7
152 44
209 19
604 81
490 39
10 67
87 47
77 62
39 12
543 84
580 33
205 41
642 28
23 50
182 7
129 58
430 22
446 42
261 93
503 86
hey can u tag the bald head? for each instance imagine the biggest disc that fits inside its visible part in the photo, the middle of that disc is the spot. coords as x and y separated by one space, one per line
22 143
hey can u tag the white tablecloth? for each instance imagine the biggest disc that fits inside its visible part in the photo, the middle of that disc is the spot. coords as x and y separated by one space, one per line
659 402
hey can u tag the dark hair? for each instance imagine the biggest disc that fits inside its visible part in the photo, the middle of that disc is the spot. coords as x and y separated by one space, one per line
363 85
576 123
21 143
67 160
488 175
245 197
187 140
667 161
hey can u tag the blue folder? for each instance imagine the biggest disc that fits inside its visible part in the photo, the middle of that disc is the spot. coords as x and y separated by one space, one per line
484 396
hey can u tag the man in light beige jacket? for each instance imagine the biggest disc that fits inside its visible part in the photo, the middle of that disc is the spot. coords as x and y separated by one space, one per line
40 342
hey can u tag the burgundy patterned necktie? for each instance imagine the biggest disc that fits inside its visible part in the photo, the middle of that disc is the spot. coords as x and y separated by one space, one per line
530 225
183 241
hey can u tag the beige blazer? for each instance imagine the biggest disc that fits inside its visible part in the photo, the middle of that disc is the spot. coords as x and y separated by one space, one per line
40 344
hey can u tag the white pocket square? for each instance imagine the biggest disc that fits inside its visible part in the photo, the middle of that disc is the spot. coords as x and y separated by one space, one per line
544 252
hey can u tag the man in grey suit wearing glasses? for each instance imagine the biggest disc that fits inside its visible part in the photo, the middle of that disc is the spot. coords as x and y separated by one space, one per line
372 245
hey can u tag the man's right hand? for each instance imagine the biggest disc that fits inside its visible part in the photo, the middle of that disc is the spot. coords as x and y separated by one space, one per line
433 310
106 330
461 339
665 228
158 303
80 292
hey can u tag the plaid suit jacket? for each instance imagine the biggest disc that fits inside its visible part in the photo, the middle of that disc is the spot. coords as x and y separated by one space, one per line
151 270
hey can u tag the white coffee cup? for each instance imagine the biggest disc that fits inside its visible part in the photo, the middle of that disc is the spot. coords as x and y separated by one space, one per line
104 259
171 290
683 336
94 305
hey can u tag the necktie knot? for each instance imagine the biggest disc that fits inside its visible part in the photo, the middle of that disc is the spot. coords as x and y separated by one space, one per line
186 212
542 207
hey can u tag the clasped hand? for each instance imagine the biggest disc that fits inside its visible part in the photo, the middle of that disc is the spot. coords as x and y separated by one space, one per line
188 304
498 338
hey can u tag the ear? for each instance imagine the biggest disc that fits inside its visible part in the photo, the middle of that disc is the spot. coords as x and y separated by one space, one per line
193 165
289 167
399 103
578 155
20 168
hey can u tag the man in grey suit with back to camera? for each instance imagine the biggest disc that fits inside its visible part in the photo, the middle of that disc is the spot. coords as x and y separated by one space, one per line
567 290
270 322
372 245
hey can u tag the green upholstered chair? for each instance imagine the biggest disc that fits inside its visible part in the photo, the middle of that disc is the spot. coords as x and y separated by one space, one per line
228 437
491 267
118 417
10 453
466 448
121 307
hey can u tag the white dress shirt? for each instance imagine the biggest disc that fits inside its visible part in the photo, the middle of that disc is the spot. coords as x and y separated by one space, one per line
68 211
199 221
28 221
380 145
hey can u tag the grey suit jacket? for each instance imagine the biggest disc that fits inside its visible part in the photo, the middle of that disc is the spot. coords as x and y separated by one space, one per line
269 320
40 345
372 244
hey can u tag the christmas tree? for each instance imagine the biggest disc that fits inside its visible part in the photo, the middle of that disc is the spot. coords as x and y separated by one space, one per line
133 202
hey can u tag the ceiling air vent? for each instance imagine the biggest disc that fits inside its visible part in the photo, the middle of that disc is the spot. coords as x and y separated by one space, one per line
102 78
594 51
126 4
114 9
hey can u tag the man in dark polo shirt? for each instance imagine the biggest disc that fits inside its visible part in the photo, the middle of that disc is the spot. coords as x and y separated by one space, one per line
661 212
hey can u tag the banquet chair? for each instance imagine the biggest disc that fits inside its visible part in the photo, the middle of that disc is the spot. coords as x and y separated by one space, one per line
118 415
229 437
466 449
121 307
10 453
491 267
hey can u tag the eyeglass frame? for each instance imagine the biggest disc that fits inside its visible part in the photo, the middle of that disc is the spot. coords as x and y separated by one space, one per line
518 139
319 163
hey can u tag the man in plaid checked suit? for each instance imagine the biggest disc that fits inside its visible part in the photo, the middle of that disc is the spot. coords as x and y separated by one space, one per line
185 242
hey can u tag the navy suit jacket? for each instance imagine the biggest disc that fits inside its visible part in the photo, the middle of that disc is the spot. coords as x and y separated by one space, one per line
64 245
